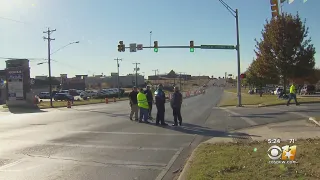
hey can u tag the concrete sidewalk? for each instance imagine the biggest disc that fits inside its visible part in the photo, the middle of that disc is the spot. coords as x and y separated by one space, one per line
297 129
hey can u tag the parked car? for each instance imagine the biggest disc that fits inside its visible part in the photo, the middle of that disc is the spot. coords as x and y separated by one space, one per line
91 93
44 95
308 89
63 97
278 91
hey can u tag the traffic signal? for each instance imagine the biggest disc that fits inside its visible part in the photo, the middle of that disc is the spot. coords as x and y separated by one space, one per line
274 8
191 46
121 47
243 76
155 46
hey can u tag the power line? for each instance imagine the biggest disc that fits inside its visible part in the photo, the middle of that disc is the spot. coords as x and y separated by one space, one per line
13 20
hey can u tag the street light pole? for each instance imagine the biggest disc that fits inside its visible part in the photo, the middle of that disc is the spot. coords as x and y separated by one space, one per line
76 42
235 14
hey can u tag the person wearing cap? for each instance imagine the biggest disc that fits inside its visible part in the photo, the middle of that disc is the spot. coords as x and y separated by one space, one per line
134 103
143 106
160 99
176 103
149 95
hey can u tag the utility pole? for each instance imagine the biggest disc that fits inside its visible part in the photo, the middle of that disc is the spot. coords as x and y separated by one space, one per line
155 74
180 74
118 77
136 69
48 32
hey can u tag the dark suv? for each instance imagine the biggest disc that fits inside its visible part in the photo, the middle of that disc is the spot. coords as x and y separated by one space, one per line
63 97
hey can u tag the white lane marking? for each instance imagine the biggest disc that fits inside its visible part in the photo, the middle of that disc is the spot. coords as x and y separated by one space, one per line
172 160
132 133
132 164
3 168
112 132
96 146
314 121
285 110
246 119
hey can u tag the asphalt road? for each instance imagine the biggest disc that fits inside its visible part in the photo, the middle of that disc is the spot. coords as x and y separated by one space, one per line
99 141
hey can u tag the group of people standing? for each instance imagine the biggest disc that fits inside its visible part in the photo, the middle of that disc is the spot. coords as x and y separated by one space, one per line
143 100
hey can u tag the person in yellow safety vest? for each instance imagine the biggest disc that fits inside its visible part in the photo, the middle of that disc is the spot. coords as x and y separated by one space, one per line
143 106
292 94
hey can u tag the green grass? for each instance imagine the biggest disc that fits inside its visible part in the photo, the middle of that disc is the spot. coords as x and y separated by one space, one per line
56 104
234 90
240 161
266 99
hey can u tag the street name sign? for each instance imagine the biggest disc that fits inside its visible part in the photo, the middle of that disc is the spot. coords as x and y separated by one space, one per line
139 47
133 47
217 47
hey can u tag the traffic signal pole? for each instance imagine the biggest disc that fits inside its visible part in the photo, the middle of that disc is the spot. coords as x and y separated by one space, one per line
238 60
235 14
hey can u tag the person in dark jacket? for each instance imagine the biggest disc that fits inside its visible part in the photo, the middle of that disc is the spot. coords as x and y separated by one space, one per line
176 103
134 103
149 95
160 99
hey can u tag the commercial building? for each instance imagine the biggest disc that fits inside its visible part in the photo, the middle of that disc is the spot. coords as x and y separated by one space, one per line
169 75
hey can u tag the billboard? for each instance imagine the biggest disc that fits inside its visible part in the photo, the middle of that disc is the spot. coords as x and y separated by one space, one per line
15 85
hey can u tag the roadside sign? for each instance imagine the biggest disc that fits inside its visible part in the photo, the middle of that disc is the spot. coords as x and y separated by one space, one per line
139 47
217 47
133 47
32 81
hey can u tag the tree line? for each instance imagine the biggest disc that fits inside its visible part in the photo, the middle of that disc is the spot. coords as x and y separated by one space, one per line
284 54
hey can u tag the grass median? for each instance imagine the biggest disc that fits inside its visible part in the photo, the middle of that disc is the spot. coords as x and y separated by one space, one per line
250 161
266 99
56 104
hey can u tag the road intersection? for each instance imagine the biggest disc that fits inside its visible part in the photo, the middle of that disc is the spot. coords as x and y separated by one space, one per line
100 142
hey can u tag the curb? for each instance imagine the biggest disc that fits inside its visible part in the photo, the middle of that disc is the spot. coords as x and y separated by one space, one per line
313 121
186 167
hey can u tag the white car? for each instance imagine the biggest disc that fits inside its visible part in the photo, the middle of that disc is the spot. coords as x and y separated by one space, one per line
278 91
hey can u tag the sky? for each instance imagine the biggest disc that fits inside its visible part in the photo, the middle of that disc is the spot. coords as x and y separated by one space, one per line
99 25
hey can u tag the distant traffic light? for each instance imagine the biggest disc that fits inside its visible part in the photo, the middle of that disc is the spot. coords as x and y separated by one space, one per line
155 46
274 8
191 46
121 47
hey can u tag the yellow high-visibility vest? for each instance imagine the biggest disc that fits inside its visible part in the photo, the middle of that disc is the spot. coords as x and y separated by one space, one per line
142 100
292 89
